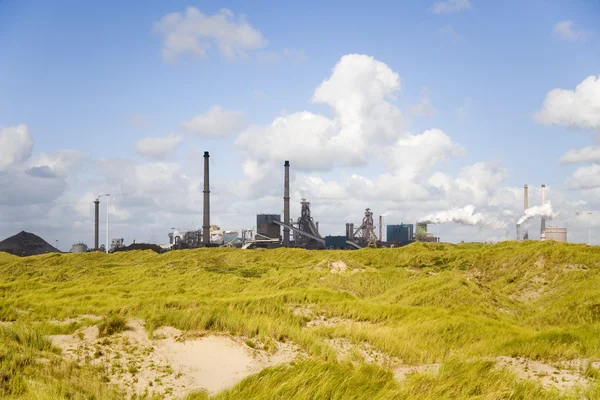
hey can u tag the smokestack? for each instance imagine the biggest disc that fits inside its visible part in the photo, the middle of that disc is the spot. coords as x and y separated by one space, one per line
380 228
286 204
206 222
347 230
317 226
518 232
351 231
96 222
543 224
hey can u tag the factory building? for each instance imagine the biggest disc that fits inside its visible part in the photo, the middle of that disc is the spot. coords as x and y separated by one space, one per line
266 227
400 233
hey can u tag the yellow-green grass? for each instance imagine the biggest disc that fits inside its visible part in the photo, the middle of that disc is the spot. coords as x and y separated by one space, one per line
458 305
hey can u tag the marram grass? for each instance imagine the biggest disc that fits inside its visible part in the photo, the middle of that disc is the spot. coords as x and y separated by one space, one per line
456 305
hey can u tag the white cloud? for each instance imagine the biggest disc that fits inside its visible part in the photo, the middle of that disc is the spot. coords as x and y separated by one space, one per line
586 177
423 109
357 92
15 146
56 165
158 148
579 108
414 154
450 6
564 29
216 122
194 33
587 154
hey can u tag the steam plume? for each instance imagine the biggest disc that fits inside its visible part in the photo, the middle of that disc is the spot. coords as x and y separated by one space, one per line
464 216
544 211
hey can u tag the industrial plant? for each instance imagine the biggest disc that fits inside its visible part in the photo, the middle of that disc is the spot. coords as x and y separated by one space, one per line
274 230
543 211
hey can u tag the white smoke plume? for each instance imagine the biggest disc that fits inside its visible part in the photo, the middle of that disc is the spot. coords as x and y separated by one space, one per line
465 216
544 211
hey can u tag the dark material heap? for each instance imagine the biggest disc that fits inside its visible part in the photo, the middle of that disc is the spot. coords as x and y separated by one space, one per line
140 246
26 244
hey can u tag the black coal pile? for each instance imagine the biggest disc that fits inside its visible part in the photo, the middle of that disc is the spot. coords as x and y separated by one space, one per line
141 246
26 244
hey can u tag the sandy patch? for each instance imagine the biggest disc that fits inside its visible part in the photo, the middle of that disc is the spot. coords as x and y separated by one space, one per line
345 349
338 267
400 373
302 310
169 365
328 322
76 320
561 375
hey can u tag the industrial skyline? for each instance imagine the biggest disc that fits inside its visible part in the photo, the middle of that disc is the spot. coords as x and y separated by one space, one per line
415 114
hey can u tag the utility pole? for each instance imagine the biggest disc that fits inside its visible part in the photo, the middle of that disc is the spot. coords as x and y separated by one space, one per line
107 223
590 229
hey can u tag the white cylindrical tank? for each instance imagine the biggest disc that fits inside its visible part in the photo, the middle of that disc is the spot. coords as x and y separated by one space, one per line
79 248
556 233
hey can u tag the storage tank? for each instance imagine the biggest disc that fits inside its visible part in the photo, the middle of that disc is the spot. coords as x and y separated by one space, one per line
556 233
79 248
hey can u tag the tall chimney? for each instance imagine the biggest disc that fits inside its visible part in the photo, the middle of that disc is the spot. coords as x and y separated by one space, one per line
543 224
96 222
206 222
380 228
317 226
347 230
518 232
351 231
286 204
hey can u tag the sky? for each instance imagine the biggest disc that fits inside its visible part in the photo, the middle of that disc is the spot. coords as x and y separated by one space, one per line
418 110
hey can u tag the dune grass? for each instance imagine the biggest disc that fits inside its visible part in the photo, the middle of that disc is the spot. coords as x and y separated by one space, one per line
456 305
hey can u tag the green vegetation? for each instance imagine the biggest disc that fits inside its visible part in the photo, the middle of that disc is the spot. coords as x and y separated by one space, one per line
455 305
111 325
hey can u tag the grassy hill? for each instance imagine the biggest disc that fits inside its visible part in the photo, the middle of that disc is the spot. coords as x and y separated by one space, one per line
456 306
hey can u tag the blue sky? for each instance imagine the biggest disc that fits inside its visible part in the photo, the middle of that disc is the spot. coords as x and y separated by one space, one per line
76 73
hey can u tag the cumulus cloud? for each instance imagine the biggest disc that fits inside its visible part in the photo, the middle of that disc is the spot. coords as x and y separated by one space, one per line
579 108
564 29
450 6
587 154
56 165
358 93
194 33
216 122
415 153
586 177
158 148
15 146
